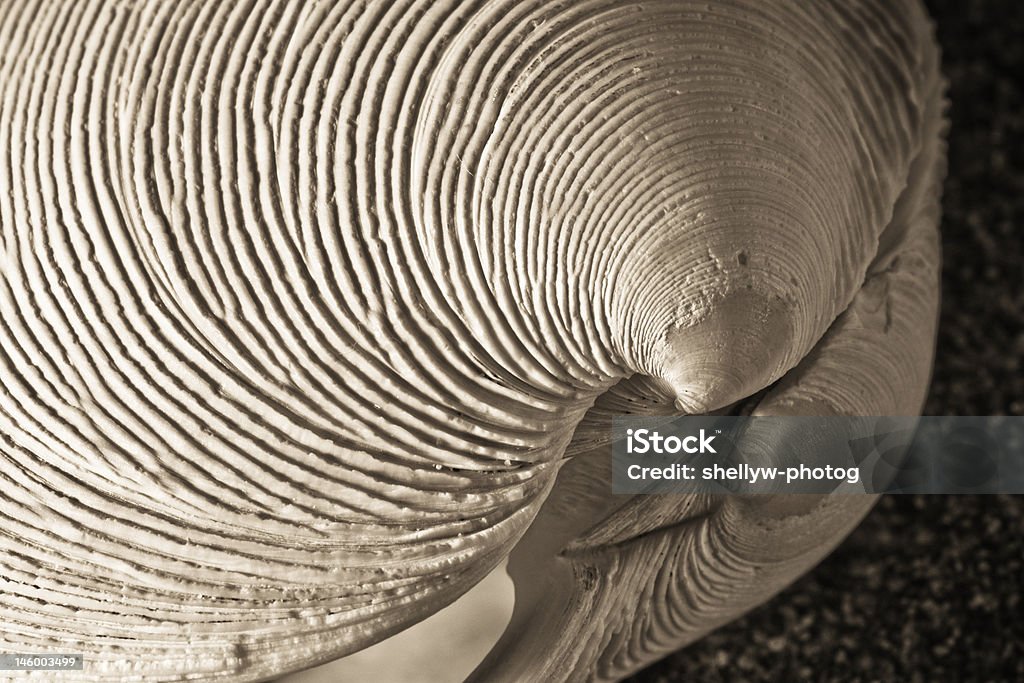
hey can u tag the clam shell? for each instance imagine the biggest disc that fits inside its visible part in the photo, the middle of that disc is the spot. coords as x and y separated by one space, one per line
311 310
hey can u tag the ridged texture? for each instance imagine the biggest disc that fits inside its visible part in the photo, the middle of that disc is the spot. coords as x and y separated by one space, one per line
301 303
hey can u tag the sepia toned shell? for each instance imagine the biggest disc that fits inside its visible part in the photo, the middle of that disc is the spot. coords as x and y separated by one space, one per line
311 313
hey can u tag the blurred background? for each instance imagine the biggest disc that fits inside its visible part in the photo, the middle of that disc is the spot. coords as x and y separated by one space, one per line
928 588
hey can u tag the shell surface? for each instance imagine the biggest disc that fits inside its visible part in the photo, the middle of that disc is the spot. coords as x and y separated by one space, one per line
313 312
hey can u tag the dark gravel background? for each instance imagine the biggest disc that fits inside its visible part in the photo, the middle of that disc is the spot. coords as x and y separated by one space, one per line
928 588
